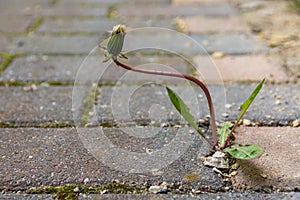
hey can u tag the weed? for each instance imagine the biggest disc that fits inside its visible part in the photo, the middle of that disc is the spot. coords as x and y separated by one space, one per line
221 137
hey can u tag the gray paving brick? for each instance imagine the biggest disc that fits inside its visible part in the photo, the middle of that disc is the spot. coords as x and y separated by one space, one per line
53 44
26 196
173 11
204 196
231 43
76 25
196 44
16 24
76 10
148 22
65 69
31 108
43 69
4 43
34 157
23 8
145 103
112 2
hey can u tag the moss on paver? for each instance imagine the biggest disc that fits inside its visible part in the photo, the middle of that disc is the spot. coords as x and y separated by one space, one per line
6 124
34 26
5 59
71 191
112 12
90 100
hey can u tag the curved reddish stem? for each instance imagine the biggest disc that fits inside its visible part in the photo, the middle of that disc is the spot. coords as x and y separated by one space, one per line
188 77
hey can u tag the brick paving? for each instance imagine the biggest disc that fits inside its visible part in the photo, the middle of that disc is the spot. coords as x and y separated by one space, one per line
48 41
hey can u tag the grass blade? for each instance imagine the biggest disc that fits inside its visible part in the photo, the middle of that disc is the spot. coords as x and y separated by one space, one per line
248 102
183 110
224 132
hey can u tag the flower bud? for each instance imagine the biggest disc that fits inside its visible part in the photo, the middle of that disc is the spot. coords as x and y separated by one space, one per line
116 40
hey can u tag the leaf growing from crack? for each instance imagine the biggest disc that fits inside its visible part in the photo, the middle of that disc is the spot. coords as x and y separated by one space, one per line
182 108
248 102
224 132
240 151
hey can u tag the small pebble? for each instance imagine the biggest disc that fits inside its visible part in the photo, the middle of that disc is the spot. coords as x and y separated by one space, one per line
86 180
263 175
296 123
235 166
228 105
246 122
278 102
155 189
76 189
225 115
218 54
234 173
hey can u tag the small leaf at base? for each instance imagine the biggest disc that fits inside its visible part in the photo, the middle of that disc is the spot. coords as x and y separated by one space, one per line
240 151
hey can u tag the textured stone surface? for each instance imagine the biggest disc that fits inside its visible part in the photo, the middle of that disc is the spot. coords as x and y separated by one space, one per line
62 25
33 107
228 195
204 196
240 68
198 24
231 43
65 68
34 157
79 10
133 104
26 196
199 2
278 166
17 24
54 44
43 68
195 44
173 11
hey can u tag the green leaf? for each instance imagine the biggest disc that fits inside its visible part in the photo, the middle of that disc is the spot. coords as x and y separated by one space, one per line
183 110
248 102
224 132
240 151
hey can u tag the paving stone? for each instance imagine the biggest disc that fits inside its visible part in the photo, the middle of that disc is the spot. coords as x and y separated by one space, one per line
240 68
168 40
54 44
231 43
26 196
16 24
34 157
173 11
4 43
43 69
199 2
137 104
20 8
171 63
148 22
204 196
278 167
112 2
198 24
65 69
40 105
76 10
76 25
